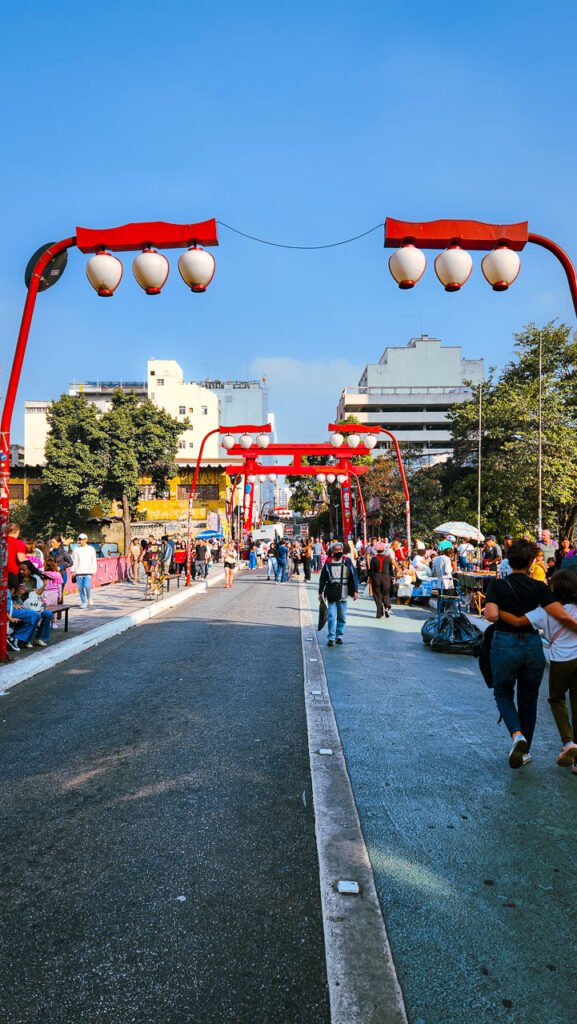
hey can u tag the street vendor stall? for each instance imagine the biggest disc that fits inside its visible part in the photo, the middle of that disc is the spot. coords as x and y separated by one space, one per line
473 587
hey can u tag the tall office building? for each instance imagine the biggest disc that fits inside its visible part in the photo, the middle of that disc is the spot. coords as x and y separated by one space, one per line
410 391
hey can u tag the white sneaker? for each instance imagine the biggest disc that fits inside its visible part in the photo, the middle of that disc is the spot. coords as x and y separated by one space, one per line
526 760
90 602
519 748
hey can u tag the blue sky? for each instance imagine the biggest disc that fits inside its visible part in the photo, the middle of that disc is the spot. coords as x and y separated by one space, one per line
298 123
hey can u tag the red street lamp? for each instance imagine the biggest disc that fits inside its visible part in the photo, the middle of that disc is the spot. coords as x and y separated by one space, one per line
226 433
369 441
453 266
104 272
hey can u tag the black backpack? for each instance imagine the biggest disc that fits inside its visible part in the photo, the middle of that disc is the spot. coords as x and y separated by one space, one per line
334 588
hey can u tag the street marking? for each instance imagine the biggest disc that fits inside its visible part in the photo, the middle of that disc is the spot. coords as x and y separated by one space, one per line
325 750
361 975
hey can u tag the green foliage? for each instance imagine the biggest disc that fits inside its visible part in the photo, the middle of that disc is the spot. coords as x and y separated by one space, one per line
95 458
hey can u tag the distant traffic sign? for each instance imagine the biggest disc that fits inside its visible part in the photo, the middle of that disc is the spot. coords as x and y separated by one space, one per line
53 271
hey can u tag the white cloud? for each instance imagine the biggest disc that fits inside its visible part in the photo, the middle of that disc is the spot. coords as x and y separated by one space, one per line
304 395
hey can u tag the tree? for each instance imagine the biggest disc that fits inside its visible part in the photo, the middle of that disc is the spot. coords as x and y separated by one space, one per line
95 459
509 442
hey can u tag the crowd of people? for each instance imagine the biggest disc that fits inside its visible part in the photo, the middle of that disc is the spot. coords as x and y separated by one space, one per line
152 557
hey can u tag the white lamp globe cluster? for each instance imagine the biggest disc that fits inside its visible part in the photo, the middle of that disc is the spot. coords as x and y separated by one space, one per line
262 440
453 267
353 440
151 269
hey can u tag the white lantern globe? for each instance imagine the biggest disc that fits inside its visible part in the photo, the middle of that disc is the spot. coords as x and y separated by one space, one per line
337 439
197 267
272 477
331 478
341 478
370 441
245 441
321 477
262 477
263 440
353 440
501 267
251 478
151 270
407 265
104 271
227 441
453 268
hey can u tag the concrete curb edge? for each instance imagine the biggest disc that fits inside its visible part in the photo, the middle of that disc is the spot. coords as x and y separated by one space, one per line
363 983
11 675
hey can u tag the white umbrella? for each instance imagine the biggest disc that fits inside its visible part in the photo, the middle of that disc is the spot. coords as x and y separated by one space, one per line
460 530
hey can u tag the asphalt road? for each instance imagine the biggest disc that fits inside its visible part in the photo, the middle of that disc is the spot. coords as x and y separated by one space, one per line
473 862
158 860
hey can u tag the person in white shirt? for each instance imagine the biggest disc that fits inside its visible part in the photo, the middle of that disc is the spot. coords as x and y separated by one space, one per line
563 661
84 568
443 568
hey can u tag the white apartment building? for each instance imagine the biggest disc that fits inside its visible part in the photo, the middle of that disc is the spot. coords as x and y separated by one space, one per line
186 401
35 432
410 391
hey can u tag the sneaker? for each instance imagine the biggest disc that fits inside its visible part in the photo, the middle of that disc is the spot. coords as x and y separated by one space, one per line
568 755
517 750
387 613
526 760
29 644
40 643
90 602
339 641
330 643
12 644
574 768
83 604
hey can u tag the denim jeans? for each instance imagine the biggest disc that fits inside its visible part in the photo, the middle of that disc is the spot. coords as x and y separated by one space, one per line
83 584
281 571
25 628
316 563
517 658
337 617
201 569
271 568
43 631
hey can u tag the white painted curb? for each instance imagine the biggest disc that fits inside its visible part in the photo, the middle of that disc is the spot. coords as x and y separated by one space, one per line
11 675
362 980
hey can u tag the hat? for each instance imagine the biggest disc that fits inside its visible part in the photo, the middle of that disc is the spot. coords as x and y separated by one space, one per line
444 545
508 536
491 537
380 546
82 536
337 546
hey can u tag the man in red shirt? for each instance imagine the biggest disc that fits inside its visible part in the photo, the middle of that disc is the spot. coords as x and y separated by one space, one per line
16 548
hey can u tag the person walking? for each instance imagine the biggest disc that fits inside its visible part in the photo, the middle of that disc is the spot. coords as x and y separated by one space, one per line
229 558
84 568
337 582
317 552
307 557
252 557
282 558
201 560
271 562
134 556
381 575
517 658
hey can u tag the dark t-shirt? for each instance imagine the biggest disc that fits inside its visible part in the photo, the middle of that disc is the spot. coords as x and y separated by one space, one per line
381 565
518 594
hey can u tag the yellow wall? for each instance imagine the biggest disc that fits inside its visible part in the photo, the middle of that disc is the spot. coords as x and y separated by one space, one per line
174 508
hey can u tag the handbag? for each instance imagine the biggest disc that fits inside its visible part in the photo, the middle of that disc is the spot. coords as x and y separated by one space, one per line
334 588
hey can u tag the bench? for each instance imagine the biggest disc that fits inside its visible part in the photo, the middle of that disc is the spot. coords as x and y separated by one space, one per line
172 576
60 610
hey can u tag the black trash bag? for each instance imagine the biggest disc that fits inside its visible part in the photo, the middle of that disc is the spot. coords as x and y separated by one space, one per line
429 629
455 634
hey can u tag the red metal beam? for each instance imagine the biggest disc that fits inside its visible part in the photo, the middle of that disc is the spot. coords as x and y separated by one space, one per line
130 237
298 470
471 234
298 450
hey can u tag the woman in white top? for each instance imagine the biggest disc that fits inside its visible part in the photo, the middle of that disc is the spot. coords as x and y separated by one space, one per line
229 559
563 661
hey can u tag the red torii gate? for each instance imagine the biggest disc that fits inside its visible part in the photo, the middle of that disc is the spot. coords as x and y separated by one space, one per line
341 467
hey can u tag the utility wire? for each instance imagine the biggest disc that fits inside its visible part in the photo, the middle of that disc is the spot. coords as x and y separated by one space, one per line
282 245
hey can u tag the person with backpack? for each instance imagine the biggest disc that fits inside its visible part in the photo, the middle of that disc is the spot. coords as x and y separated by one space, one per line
517 658
381 575
338 581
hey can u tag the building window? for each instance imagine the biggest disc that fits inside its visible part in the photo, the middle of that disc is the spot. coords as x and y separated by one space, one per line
152 396
191 444
182 410
160 381
204 410
182 444
34 485
17 492
191 409
204 492
147 492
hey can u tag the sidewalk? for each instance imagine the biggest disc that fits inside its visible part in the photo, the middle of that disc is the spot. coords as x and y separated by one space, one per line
117 607
472 861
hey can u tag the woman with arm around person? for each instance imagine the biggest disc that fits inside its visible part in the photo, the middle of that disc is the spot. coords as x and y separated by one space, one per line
517 658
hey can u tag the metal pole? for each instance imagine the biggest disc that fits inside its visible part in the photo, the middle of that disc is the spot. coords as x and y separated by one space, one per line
479 454
540 457
191 503
6 423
